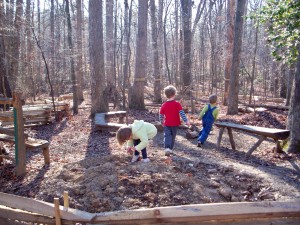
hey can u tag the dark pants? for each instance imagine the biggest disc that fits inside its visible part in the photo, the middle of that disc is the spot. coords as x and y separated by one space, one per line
169 136
144 151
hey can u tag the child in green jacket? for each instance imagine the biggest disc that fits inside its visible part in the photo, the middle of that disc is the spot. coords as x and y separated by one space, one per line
137 136
209 115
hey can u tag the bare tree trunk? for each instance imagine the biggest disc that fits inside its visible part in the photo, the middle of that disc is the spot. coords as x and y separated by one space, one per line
96 50
52 58
294 112
110 71
79 50
16 44
229 47
235 65
253 66
126 48
136 95
289 85
4 84
157 75
71 53
165 45
186 7
177 45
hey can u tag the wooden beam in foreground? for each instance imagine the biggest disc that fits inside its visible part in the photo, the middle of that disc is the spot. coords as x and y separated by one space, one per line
218 212
237 213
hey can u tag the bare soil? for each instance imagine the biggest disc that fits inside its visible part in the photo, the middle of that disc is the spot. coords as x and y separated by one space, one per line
99 176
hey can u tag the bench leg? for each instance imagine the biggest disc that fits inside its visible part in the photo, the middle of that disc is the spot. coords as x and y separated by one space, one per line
231 138
261 139
220 137
278 148
46 155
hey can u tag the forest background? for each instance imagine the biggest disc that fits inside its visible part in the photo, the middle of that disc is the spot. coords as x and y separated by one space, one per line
116 48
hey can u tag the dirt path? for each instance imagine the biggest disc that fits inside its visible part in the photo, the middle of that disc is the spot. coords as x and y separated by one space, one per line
99 177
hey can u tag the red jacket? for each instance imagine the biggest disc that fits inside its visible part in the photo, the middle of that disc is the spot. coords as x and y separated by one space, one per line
170 110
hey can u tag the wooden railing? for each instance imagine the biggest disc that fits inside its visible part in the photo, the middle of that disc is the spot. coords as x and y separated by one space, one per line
19 210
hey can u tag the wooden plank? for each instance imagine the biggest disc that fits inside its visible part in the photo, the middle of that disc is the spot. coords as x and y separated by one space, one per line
6 101
202 212
214 213
36 143
43 208
278 134
269 106
20 215
115 113
8 131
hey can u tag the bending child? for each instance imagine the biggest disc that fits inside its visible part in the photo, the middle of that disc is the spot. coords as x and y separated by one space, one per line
169 116
209 114
137 136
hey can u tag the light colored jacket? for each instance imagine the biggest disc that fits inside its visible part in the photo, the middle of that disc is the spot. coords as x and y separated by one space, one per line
143 131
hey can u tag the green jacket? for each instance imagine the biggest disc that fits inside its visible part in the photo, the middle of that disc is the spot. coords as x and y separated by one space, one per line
143 131
215 112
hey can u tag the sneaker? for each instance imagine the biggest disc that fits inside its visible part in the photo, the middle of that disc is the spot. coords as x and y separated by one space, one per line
146 160
199 144
168 152
135 158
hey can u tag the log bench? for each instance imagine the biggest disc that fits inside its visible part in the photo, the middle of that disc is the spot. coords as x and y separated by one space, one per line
102 120
262 132
30 143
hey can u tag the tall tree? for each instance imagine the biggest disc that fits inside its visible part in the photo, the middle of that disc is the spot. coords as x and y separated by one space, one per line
136 95
126 48
96 51
229 46
71 50
186 8
110 71
4 84
79 69
52 43
280 15
16 44
156 69
235 64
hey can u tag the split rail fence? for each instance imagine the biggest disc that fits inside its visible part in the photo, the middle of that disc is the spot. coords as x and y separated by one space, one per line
15 210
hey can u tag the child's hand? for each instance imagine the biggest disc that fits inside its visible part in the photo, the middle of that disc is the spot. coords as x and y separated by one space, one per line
188 123
130 150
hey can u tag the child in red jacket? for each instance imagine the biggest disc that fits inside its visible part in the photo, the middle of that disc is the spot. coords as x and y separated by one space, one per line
169 116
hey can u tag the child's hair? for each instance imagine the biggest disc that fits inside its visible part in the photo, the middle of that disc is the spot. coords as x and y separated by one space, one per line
213 99
170 91
123 134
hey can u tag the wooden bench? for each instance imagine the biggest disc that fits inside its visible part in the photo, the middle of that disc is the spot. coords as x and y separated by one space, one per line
30 143
102 120
262 132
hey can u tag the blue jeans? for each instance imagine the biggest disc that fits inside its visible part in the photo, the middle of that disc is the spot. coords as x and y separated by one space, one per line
144 151
169 136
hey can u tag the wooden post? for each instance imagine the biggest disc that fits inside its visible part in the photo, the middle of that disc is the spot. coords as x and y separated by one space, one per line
46 155
66 199
231 138
57 211
278 148
20 150
220 137
261 139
